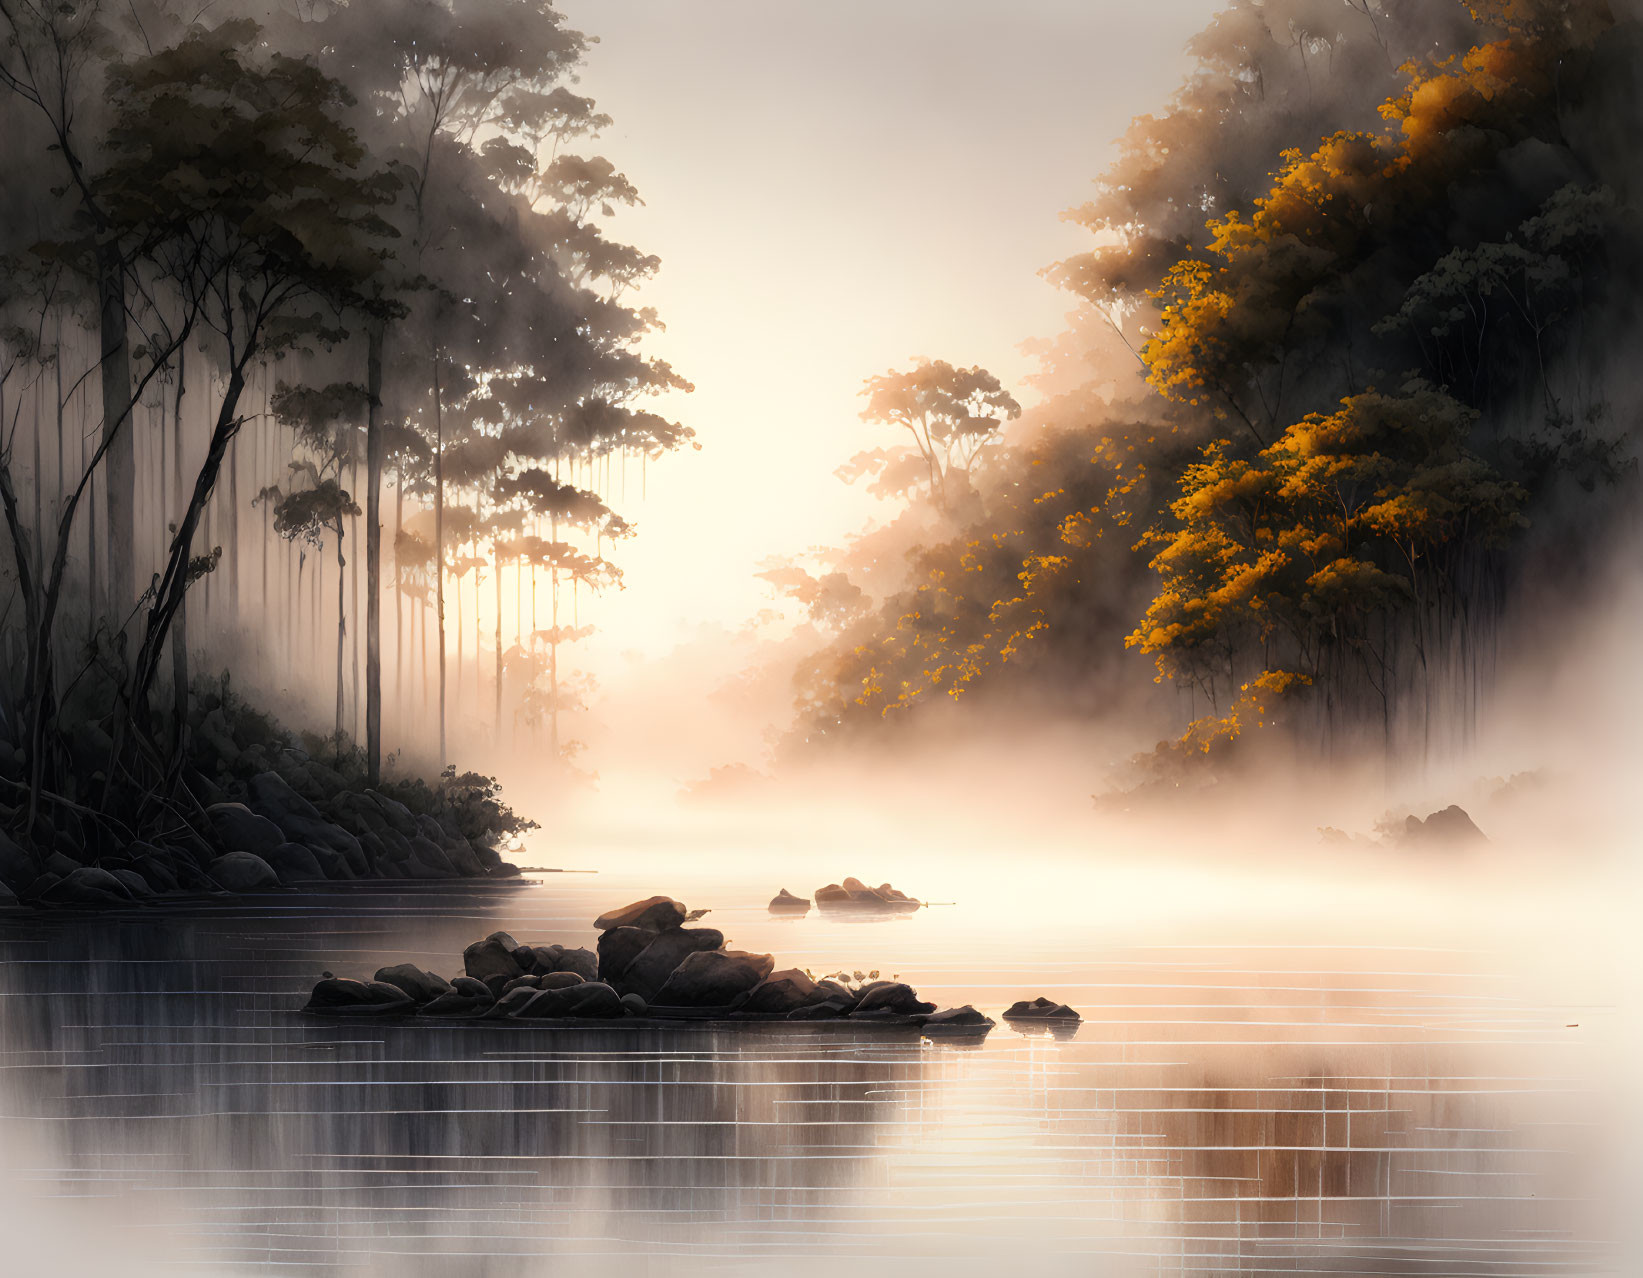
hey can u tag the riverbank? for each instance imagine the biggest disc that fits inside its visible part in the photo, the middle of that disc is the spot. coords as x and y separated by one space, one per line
256 808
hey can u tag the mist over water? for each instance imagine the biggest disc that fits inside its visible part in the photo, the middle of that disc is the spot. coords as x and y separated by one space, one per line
1273 1073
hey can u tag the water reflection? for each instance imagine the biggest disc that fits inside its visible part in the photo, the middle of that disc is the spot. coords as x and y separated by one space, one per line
1232 1110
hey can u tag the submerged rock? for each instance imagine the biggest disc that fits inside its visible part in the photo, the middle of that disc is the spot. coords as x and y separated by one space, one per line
958 1018
653 914
784 902
1040 1009
854 895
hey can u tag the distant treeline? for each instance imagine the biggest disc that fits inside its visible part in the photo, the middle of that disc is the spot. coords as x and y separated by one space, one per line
1352 362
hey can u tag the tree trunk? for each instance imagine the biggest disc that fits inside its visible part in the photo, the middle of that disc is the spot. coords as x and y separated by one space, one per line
342 626
373 554
496 568
121 529
179 629
439 548
553 662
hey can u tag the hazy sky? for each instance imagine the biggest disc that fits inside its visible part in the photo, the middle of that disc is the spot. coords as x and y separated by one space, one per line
835 188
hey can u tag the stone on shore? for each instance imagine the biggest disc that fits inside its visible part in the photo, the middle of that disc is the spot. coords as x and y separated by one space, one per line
491 962
618 948
782 993
419 986
651 969
891 998
585 999
334 994
86 885
958 1018
239 829
244 872
294 863
713 978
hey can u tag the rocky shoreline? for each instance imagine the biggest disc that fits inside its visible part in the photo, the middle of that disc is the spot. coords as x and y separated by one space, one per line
647 967
264 835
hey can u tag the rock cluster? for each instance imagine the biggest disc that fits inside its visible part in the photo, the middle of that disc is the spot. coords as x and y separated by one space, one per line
271 836
646 964
854 895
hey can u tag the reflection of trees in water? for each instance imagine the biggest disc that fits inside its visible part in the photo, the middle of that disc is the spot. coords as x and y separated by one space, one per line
317 1141
1376 1160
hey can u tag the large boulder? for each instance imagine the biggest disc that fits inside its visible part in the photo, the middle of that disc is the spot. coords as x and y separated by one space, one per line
491 962
239 829
300 821
244 872
713 978
87 885
650 971
784 902
419 986
653 914
781 993
891 998
618 948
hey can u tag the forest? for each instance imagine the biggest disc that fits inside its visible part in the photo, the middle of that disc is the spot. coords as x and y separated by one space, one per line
1346 391
318 369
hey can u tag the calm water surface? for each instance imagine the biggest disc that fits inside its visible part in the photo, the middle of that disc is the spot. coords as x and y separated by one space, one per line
1288 1095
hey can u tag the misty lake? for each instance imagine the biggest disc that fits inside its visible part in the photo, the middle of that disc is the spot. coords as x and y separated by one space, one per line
1281 1095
